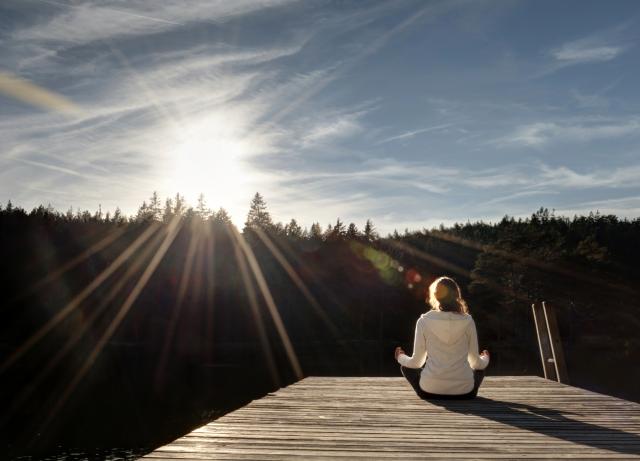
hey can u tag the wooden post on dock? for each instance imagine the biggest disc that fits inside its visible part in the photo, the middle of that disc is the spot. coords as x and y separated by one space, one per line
551 353
543 342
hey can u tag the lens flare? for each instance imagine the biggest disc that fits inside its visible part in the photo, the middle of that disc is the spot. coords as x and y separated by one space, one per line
386 266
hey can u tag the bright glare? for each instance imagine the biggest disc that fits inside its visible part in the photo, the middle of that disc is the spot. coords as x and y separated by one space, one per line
209 157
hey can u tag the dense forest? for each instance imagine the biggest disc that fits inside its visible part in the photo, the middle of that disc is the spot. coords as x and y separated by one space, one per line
129 331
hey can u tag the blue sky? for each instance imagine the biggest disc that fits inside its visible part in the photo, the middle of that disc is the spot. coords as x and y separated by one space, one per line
411 113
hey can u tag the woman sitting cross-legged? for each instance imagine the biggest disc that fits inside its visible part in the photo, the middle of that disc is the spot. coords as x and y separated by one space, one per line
446 338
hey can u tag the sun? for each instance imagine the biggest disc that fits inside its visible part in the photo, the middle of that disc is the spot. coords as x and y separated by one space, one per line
212 159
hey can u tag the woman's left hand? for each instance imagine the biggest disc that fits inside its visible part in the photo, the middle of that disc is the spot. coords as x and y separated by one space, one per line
399 351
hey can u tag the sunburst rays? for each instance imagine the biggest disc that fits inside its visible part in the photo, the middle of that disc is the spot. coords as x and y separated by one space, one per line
185 280
78 332
254 305
78 299
97 247
169 235
210 288
139 260
270 302
297 280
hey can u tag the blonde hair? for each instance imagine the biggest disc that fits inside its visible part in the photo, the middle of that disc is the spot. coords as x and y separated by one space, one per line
445 295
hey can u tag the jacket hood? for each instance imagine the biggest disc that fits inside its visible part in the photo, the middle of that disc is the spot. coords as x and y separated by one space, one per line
448 327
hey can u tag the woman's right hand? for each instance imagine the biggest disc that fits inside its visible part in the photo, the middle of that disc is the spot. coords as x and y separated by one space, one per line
398 352
485 353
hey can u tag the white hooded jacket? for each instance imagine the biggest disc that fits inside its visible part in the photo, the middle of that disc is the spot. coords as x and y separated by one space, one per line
448 341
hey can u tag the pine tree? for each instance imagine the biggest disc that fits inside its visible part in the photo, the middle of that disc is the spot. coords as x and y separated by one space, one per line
98 215
315 233
154 209
258 216
201 208
38 211
328 232
293 229
143 212
168 210
221 217
370 233
337 232
352 232
118 219
179 205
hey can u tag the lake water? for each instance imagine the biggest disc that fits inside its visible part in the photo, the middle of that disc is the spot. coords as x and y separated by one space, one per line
104 454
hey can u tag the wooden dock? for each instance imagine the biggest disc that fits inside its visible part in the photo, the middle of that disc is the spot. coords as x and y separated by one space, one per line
381 418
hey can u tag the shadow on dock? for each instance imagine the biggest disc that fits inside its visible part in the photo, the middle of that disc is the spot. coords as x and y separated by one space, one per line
550 423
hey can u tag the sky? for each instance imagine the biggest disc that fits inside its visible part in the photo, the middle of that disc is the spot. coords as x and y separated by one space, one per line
410 113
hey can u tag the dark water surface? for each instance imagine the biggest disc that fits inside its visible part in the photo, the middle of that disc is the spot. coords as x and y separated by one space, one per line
98 454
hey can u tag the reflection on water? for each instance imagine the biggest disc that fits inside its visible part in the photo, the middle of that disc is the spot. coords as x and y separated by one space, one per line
98 454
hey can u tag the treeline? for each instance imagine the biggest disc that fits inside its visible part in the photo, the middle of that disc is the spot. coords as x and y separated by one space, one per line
595 238
154 210
162 320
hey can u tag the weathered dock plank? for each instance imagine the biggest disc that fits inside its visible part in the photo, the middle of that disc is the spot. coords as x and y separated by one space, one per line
381 418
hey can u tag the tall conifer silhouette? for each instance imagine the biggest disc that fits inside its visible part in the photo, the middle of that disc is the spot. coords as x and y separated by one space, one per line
258 216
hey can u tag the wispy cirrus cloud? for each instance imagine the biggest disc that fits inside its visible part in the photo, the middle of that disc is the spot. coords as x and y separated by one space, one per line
413 133
541 133
598 47
583 51
542 178
333 128
524 179
54 168
375 172
98 20
567 178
